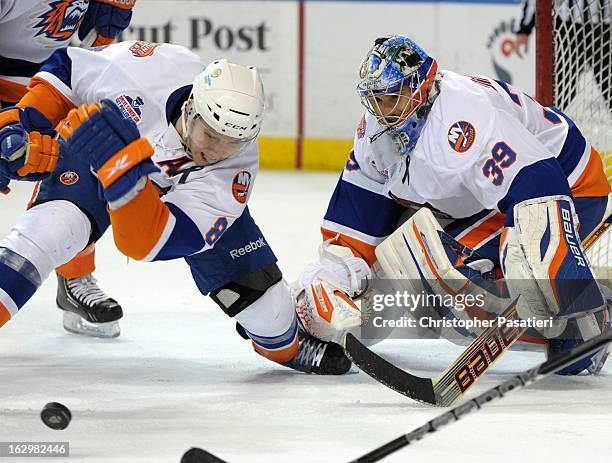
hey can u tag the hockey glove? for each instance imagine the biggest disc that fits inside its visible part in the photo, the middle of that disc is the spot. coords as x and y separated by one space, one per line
27 147
108 18
113 148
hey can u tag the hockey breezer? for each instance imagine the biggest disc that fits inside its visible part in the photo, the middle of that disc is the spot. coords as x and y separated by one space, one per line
519 381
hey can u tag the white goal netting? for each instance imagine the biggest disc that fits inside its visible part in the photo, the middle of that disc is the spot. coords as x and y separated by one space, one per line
582 86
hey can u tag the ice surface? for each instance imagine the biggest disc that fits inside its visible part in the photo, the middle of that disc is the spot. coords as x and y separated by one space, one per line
179 376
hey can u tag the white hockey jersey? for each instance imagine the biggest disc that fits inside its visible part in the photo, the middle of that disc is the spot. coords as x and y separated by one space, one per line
485 146
148 82
30 31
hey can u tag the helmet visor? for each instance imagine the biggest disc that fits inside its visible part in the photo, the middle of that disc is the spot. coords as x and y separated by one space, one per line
394 104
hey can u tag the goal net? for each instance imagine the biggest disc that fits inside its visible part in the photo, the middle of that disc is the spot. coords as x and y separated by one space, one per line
574 73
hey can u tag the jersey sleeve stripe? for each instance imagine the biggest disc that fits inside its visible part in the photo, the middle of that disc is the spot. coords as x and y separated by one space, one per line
50 101
574 146
358 247
482 231
362 210
163 239
59 65
185 239
593 180
139 225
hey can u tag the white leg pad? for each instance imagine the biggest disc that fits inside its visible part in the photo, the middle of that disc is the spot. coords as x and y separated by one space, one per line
49 235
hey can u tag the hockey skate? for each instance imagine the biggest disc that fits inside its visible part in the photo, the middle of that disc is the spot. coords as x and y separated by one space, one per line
319 357
87 309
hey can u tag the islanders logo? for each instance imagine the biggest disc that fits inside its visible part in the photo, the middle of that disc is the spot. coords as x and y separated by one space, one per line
240 186
461 136
69 178
62 19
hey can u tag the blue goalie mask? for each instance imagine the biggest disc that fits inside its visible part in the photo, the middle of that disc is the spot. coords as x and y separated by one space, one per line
397 77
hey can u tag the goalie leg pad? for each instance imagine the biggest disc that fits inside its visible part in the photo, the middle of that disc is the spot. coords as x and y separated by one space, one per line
545 233
418 262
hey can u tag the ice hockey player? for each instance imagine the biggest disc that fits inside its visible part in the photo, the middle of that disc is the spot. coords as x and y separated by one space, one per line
30 31
515 182
203 161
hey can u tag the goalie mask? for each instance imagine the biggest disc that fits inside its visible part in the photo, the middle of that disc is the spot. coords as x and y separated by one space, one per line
397 78
224 111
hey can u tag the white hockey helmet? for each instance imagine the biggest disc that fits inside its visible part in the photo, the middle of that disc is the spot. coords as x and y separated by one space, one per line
228 100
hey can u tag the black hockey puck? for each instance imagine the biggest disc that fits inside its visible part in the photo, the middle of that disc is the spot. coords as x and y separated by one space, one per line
56 415
196 455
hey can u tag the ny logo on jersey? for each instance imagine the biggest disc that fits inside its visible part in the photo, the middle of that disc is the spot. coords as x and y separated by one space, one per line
461 136
240 186
62 19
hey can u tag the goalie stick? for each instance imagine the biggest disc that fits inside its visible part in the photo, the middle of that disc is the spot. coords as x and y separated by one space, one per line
450 385
519 381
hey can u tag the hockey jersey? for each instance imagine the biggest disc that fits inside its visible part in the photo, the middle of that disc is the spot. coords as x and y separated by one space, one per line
485 147
204 215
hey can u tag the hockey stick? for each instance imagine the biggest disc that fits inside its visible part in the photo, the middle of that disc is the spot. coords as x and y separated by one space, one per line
519 381
197 455
450 385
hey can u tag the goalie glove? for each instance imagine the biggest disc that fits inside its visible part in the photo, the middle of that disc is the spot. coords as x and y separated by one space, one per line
339 267
28 149
326 313
104 20
112 146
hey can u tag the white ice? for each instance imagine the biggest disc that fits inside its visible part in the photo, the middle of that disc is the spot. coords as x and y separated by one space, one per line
179 376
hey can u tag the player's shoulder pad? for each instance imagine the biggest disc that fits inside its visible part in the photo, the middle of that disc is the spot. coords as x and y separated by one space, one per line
458 126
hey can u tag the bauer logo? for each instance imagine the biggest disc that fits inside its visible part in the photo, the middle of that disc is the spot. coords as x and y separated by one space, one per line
69 178
248 248
461 136
142 49
484 356
130 107
61 20
240 186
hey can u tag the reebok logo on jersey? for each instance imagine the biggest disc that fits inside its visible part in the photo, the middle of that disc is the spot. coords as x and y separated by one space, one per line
62 19
461 136
240 186
250 247
130 107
